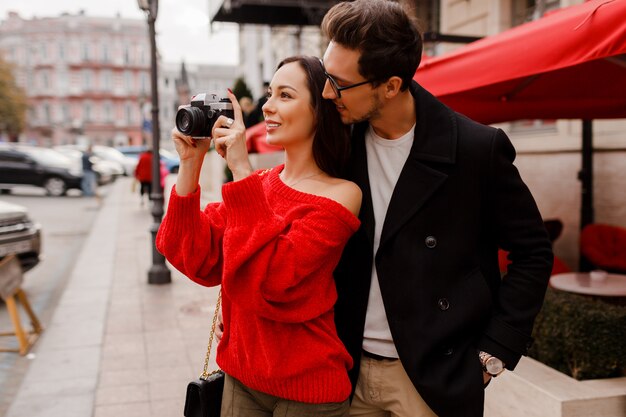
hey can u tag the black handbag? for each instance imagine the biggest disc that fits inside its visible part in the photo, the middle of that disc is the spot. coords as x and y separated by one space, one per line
204 395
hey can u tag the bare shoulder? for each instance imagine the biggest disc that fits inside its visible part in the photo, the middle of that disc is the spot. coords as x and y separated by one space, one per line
344 192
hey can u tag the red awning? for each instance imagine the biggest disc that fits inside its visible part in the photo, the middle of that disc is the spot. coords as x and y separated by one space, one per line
570 64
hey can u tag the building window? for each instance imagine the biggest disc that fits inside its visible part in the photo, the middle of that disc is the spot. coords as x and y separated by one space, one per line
61 51
129 114
528 10
105 53
144 82
108 111
45 82
44 51
87 80
46 112
86 54
106 80
66 112
126 55
87 109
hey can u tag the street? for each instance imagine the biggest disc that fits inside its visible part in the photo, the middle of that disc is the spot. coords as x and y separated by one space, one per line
65 222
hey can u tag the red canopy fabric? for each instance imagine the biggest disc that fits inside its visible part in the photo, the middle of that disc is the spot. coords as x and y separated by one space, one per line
255 140
571 64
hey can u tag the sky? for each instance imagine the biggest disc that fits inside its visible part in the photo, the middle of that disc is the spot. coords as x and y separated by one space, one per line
182 25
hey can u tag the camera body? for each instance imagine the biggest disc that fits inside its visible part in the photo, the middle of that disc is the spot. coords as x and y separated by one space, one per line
197 118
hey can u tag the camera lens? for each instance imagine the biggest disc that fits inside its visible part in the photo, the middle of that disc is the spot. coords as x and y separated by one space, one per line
190 121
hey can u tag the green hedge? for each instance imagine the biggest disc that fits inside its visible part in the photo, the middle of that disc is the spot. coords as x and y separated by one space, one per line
581 336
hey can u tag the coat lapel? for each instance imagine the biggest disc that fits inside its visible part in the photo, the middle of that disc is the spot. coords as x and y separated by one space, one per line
434 143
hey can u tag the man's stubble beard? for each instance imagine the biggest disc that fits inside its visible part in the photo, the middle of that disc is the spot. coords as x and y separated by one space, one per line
372 113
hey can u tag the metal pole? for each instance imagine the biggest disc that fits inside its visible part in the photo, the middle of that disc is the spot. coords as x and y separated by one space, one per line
586 178
158 273
586 175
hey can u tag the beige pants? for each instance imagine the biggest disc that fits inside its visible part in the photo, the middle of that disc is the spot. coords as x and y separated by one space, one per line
385 390
241 401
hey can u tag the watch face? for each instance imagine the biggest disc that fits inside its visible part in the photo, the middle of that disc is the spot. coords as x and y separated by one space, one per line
494 366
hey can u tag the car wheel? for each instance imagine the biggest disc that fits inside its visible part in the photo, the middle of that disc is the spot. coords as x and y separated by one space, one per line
5 191
55 186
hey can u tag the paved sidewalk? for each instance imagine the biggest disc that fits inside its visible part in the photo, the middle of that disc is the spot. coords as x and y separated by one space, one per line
117 346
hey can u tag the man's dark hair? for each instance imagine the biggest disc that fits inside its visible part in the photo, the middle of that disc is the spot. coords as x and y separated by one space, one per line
386 35
331 143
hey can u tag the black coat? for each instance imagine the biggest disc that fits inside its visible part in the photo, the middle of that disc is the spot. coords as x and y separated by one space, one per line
458 199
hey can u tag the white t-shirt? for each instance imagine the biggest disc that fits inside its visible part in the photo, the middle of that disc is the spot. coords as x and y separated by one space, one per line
385 160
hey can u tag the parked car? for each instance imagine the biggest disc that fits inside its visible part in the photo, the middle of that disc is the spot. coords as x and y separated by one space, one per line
40 167
19 235
105 171
116 160
170 159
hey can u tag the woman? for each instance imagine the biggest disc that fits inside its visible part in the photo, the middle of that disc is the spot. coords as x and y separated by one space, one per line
273 244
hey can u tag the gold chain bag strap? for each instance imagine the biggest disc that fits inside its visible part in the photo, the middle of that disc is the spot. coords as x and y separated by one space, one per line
205 375
204 395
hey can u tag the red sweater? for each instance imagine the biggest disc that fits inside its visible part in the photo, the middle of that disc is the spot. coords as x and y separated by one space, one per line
274 250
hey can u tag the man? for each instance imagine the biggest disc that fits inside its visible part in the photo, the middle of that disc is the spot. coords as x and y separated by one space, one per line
88 183
422 307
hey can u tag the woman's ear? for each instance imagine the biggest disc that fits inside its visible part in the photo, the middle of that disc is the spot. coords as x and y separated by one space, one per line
392 86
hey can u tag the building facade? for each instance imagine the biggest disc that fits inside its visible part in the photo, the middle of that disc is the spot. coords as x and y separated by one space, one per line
82 75
90 77
262 47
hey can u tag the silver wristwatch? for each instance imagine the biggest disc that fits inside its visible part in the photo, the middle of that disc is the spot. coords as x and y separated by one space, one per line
491 365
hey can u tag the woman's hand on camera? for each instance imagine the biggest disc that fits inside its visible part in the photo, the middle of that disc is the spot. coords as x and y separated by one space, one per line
230 142
188 147
191 152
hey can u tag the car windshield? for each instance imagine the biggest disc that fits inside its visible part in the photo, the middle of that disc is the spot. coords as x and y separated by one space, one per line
47 157
109 153
132 152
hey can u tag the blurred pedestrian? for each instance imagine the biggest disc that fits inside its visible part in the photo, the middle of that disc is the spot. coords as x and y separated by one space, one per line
247 106
256 115
89 181
143 174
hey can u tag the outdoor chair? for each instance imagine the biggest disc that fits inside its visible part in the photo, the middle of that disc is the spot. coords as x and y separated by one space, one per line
604 246
554 227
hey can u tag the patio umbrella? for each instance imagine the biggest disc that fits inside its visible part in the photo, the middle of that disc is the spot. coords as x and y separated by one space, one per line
570 64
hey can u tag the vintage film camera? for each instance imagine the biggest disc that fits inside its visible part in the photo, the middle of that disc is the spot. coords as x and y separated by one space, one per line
197 118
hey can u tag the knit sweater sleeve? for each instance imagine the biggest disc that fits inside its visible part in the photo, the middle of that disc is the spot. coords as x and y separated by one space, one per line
191 239
278 268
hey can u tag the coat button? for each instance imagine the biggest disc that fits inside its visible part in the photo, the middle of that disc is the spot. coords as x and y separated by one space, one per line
443 304
431 242
448 351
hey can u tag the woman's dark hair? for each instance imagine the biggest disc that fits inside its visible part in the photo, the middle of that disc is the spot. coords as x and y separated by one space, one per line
331 143
385 34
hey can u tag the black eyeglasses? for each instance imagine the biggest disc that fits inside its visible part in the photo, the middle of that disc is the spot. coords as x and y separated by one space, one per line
338 89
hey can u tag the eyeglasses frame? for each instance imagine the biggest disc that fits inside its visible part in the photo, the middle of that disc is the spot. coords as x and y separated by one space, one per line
337 89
